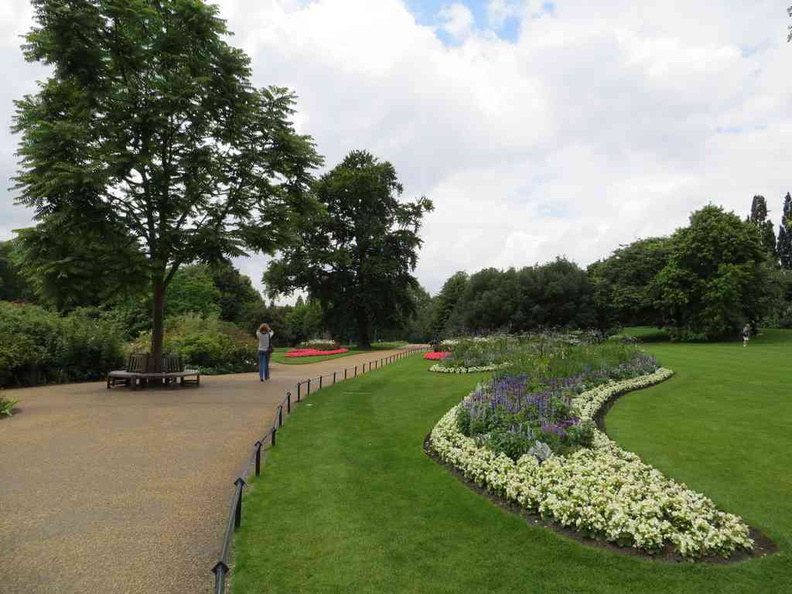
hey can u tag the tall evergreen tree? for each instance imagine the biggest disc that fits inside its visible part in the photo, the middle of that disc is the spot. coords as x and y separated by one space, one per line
784 246
759 218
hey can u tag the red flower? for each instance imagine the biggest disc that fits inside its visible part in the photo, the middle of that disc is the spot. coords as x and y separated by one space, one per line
313 352
434 356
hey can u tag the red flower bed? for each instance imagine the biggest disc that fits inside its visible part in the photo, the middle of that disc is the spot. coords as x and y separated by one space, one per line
434 356
314 352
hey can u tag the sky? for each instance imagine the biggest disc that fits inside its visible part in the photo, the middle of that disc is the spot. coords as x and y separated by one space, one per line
538 129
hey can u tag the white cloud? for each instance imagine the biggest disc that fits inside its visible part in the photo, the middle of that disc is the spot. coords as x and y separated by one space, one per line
456 20
604 123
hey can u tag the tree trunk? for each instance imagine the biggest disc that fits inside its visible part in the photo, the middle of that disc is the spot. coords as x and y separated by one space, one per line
364 331
157 325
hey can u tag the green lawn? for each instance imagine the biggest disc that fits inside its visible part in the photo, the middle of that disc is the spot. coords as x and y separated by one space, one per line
279 356
348 501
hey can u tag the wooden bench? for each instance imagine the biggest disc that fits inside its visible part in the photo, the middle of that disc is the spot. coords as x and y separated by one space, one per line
136 375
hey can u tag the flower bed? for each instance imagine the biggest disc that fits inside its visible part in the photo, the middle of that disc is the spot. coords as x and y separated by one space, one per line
437 368
602 491
436 355
314 352
322 344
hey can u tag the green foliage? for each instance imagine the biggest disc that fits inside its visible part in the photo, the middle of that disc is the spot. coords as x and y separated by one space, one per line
446 302
716 277
758 217
39 346
207 343
13 286
236 291
149 131
784 245
193 291
356 254
623 289
69 266
556 294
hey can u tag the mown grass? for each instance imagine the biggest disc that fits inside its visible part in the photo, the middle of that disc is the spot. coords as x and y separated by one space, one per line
279 356
348 501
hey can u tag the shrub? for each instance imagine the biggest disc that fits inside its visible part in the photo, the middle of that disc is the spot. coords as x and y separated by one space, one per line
213 346
39 346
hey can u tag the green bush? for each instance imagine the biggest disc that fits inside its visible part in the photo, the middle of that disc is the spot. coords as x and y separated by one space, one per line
213 346
38 346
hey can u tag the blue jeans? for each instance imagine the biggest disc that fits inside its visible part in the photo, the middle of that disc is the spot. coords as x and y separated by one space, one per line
264 357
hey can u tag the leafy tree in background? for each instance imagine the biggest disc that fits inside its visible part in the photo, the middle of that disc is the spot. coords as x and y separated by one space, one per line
236 291
150 133
13 286
446 301
554 294
759 218
356 255
622 282
193 291
784 245
716 278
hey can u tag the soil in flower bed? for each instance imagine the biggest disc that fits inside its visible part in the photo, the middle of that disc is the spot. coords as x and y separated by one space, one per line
763 546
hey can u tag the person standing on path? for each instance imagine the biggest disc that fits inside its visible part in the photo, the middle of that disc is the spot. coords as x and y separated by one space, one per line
264 334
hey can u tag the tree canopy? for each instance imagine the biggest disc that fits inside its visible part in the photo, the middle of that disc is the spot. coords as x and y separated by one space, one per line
149 132
356 253
716 277
759 218
623 282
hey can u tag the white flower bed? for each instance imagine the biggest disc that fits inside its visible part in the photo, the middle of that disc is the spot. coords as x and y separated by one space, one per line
604 492
438 368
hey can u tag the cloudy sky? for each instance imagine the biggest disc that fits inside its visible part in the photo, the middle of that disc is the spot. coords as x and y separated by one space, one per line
537 128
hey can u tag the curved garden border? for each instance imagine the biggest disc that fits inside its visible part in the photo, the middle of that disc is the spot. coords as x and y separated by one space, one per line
437 368
498 477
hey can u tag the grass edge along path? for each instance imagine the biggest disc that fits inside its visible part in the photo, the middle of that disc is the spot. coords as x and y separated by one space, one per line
352 503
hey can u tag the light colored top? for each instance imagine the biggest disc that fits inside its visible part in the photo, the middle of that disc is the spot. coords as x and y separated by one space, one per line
264 339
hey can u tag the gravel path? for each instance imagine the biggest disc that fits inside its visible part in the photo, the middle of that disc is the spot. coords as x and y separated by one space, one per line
106 491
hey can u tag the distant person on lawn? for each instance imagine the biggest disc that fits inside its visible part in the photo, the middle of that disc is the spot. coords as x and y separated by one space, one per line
746 334
265 349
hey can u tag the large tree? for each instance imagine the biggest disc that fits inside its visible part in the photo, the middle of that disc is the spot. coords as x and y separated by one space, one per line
717 277
784 245
149 132
759 218
357 252
622 282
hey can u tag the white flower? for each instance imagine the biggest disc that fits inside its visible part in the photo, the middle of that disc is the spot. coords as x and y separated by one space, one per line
604 491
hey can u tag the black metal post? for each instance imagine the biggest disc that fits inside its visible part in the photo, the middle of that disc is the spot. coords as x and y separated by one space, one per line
258 458
238 514
288 402
280 416
334 378
309 387
320 382
274 431
299 387
345 372
355 370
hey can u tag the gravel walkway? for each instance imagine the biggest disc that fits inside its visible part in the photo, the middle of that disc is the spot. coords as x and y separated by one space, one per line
107 491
